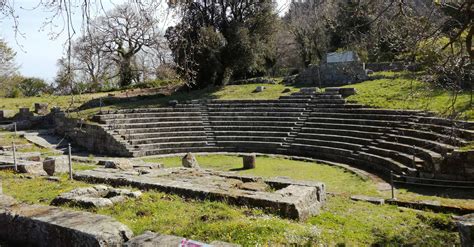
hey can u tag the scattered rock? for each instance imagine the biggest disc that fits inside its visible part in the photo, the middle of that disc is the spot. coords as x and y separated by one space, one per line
41 108
190 161
259 89
373 200
95 197
249 161
121 164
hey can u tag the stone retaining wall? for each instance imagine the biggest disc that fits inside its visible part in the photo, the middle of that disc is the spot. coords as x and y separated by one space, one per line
92 137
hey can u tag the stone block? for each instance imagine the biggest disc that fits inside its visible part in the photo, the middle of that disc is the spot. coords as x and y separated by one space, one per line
189 161
465 226
151 239
95 197
53 165
373 200
2 114
41 108
249 161
37 225
121 164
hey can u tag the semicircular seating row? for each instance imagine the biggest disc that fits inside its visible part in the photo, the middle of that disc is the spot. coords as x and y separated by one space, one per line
317 125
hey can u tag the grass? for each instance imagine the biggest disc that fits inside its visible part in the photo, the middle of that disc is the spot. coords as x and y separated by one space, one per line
342 221
402 90
63 101
6 139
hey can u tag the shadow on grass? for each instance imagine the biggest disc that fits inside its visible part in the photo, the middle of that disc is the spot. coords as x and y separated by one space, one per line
452 193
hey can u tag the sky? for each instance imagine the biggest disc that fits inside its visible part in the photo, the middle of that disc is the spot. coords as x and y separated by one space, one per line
39 46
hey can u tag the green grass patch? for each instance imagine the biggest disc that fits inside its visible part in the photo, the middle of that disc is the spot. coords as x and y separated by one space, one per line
402 90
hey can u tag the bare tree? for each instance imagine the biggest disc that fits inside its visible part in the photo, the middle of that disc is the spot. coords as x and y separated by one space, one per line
123 32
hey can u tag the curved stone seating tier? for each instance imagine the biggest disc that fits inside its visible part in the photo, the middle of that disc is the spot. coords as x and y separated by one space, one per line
317 125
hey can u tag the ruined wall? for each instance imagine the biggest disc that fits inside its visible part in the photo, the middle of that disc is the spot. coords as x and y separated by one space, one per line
92 137
333 74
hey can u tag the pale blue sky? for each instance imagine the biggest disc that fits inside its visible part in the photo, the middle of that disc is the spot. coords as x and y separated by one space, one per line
37 49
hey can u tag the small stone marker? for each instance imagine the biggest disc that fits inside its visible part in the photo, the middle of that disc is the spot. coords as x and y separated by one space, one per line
373 200
41 108
190 161
249 161
259 89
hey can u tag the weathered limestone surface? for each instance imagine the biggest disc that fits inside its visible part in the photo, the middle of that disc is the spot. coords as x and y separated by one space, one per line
151 239
466 230
288 198
122 164
97 196
37 225
373 200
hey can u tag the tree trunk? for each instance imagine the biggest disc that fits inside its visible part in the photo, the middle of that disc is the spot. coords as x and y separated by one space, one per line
126 72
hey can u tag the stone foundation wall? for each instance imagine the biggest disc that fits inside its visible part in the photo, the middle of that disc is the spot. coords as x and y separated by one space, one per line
92 137
333 74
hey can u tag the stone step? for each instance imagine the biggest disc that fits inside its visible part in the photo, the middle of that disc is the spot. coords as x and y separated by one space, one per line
370 160
239 128
163 145
383 133
263 104
159 140
170 129
406 159
253 123
256 109
398 124
270 114
252 133
203 149
249 138
373 111
151 110
254 118
154 125
152 120
147 115
337 106
395 117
